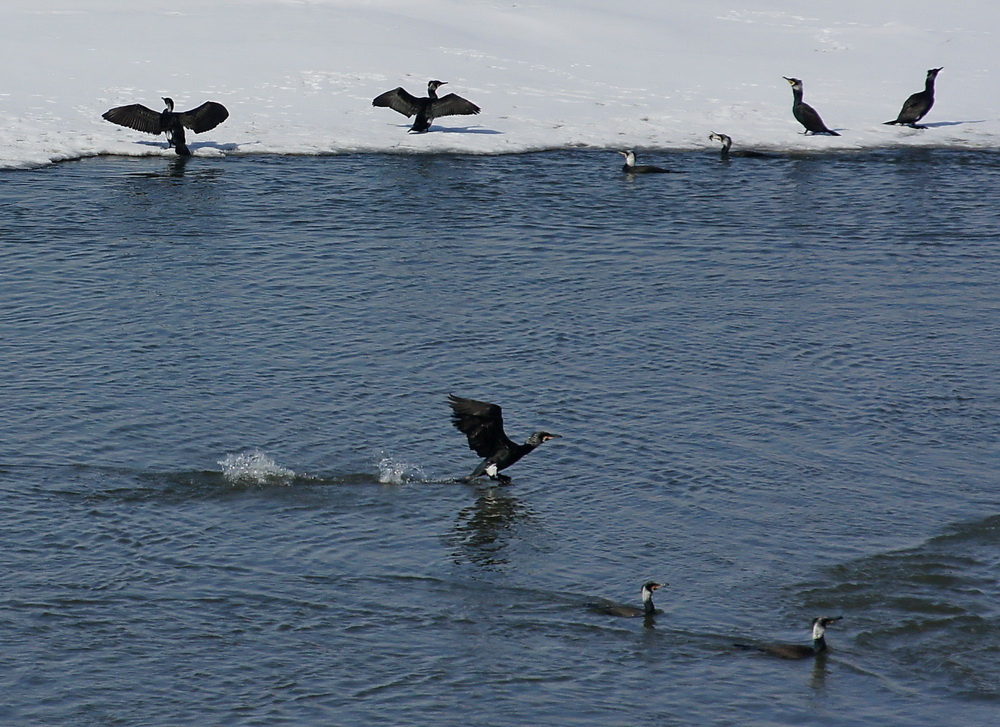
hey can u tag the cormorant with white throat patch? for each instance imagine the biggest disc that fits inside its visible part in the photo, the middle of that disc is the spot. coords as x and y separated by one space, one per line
482 423
917 105
626 611
804 113
631 167
136 116
727 143
426 109
799 651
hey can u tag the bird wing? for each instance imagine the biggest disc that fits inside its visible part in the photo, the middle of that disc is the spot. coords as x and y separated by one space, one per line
135 116
482 423
453 104
398 99
204 118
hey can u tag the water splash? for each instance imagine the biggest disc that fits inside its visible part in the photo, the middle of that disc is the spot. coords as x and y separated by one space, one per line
393 472
254 468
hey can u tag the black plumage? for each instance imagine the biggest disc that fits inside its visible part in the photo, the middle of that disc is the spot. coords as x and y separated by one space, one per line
426 109
630 167
727 143
804 113
482 424
136 116
917 105
799 651
626 611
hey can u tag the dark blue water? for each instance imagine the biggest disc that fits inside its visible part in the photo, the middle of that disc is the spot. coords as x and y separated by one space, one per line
226 459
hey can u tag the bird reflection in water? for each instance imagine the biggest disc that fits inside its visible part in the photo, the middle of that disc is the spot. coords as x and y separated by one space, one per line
484 530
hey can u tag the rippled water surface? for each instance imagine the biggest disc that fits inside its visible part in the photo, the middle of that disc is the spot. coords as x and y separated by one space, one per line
228 470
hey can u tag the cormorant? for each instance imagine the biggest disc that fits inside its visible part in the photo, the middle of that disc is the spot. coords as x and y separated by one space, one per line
727 142
427 109
917 105
138 117
482 423
632 168
800 651
618 609
804 113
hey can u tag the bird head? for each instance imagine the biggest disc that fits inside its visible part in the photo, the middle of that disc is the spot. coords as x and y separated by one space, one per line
169 102
434 85
653 585
795 82
819 624
934 71
538 437
629 156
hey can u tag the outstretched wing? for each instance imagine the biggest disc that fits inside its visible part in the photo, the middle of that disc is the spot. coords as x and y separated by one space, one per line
453 104
204 118
398 99
482 423
135 116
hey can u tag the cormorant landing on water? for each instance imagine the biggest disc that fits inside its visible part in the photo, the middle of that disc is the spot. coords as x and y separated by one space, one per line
427 109
799 651
727 143
917 105
804 113
136 116
632 168
618 609
482 423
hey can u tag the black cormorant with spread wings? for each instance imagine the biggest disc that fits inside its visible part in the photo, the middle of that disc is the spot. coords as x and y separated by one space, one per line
482 423
426 109
917 105
136 116
804 113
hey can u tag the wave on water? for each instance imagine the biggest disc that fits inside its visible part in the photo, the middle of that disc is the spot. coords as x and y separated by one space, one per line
254 468
394 472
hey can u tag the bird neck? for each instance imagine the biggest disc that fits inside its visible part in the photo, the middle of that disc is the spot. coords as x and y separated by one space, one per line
432 93
929 84
819 644
796 96
726 143
647 602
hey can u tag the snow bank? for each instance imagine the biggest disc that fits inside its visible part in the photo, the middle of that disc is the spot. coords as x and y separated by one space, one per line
298 76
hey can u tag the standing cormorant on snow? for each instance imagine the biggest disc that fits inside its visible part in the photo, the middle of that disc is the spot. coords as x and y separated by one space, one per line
428 108
482 423
727 143
917 105
631 167
136 116
804 113
799 651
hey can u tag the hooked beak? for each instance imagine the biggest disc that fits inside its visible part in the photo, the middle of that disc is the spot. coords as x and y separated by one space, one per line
552 436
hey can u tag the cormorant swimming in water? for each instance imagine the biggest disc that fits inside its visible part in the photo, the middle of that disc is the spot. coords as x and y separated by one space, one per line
800 651
632 168
482 423
428 108
917 105
138 117
727 142
804 113
618 609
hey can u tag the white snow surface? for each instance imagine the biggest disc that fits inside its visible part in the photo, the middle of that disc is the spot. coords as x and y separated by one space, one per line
298 76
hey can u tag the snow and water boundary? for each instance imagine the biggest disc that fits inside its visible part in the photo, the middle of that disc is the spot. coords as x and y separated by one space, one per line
298 76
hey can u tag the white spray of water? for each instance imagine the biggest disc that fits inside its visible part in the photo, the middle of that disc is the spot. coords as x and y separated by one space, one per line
254 468
394 472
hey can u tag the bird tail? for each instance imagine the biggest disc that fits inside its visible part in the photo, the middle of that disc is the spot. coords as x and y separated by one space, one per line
832 132
892 123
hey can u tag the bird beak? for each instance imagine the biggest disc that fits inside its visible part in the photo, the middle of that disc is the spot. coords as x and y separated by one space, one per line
789 80
552 436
